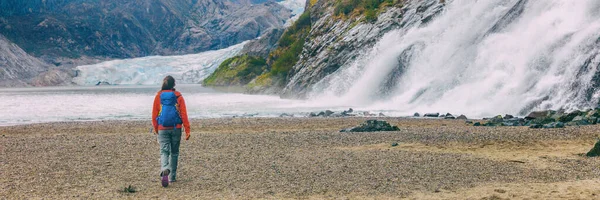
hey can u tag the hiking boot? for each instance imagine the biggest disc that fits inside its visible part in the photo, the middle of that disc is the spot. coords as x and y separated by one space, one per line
165 177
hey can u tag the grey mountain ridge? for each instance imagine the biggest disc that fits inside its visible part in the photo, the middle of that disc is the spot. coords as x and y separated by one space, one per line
50 37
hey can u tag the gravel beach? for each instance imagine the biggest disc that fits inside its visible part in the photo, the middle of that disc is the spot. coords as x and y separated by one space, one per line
300 158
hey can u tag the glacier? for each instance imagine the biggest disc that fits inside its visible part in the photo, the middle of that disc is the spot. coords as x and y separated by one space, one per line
186 69
191 69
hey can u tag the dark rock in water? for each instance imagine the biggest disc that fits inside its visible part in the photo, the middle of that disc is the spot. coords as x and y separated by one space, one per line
507 116
477 124
312 114
372 126
416 114
462 117
321 114
368 114
103 83
381 115
286 115
394 144
538 114
347 112
431 115
536 126
595 151
449 116
328 113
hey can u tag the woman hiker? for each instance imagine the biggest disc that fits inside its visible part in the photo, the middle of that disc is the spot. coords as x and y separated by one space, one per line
169 115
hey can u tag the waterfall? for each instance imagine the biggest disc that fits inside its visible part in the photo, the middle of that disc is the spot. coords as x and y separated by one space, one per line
478 58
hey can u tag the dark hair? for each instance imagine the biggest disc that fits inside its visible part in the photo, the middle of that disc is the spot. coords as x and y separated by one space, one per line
168 83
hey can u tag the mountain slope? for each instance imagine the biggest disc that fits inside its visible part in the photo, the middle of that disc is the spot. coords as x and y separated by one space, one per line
16 66
53 29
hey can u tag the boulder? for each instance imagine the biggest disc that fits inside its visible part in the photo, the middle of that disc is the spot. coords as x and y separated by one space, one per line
507 116
381 115
595 151
536 126
347 112
496 120
416 114
477 124
431 115
514 122
569 117
538 114
593 113
286 115
312 114
554 125
328 113
449 116
462 117
372 126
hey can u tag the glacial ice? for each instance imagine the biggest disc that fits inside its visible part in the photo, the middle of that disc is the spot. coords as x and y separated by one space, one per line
192 68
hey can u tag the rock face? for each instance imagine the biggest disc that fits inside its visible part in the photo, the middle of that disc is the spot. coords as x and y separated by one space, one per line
17 68
594 152
372 126
334 43
124 29
262 47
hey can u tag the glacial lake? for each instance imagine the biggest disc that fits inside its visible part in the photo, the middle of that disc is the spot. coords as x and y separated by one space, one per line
94 103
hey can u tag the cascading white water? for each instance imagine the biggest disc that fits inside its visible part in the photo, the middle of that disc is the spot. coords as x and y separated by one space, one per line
478 58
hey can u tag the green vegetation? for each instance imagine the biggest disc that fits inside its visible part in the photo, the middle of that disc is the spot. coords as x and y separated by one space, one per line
236 71
290 47
255 73
370 8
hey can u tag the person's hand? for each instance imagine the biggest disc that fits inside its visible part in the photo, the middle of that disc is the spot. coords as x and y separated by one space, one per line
155 131
187 136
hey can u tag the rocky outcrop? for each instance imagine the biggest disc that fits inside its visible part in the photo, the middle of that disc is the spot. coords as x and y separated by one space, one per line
124 29
17 68
595 151
262 46
335 41
372 126
547 119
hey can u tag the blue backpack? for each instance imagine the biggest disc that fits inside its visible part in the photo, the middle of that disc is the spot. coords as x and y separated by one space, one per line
169 115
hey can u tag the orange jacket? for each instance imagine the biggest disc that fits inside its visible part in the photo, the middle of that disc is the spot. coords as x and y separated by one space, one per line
181 108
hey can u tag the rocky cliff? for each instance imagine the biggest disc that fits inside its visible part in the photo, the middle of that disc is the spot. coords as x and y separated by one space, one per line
54 29
17 68
331 34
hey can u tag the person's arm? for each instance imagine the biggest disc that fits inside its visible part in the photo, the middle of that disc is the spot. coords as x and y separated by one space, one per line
155 111
184 116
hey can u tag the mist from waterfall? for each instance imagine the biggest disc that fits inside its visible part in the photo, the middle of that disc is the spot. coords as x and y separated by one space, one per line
478 58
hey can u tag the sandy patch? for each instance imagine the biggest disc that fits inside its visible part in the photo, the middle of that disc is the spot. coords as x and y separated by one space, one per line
540 155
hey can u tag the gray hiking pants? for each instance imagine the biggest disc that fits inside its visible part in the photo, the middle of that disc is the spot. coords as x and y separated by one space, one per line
169 150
